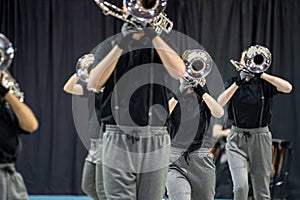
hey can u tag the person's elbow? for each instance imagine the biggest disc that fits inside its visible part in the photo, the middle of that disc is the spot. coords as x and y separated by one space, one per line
219 112
31 127
221 101
66 89
93 81
76 90
288 88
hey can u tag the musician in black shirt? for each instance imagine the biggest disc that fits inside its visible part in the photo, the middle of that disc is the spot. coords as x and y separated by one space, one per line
192 170
134 69
15 118
249 144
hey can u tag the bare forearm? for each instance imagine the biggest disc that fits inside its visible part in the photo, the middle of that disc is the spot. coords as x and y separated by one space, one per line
72 87
171 60
26 118
103 70
281 84
172 103
215 108
216 130
227 94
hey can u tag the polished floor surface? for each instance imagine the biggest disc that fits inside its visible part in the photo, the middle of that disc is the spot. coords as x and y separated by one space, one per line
36 197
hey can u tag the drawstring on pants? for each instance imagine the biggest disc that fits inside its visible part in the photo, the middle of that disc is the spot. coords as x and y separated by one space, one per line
186 156
247 135
9 170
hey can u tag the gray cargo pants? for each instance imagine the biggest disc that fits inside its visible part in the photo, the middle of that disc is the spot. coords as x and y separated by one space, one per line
12 186
92 177
250 151
135 162
193 178
92 180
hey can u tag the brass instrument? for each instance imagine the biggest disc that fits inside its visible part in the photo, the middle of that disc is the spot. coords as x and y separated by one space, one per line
9 82
140 13
83 67
257 60
7 52
198 65
6 57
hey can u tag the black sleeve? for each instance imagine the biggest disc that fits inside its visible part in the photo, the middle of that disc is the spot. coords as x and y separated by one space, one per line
84 88
270 89
101 51
229 82
174 121
21 131
170 95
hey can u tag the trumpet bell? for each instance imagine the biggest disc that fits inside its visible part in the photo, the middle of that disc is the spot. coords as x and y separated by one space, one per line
258 59
145 10
83 66
140 13
198 63
9 82
7 52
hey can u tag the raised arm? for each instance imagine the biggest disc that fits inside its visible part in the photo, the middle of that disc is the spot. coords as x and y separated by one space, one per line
26 118
225 96
171 60
215 108
103 70
72 87
281 84
109 54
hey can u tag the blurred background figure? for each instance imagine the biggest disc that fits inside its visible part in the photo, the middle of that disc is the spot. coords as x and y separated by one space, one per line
15 118
220 130
92 177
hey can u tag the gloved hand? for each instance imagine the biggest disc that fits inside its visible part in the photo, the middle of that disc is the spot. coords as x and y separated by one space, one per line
239 82
3 90
199 90
242 77
123 39
183 87
244 74
150 33
185 84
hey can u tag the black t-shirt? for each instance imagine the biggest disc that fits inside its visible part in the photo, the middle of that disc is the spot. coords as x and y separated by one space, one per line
138 79
251 104
9 134
189 122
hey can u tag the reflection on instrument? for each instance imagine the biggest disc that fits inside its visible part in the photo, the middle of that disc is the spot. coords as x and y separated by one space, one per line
6 56
9 82
6 52
198 65
140 13
257 60
83 68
